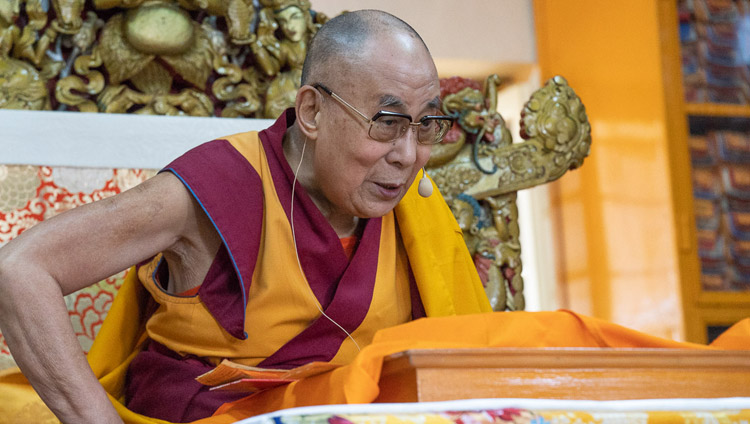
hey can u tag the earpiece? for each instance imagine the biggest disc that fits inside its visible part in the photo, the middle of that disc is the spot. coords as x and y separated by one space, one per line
317 117
425 185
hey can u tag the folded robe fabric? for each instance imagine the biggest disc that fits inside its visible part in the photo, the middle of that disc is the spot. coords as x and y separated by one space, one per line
358 382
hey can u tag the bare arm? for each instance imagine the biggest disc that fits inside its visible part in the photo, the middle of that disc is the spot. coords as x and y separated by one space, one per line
69 252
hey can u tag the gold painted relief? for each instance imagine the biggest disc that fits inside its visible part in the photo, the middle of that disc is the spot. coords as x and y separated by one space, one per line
479 170
227 58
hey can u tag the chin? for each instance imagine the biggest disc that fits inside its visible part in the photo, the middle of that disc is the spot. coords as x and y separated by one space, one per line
380 210
372 214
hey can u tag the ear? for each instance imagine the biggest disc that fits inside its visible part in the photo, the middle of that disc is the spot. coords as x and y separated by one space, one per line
307 107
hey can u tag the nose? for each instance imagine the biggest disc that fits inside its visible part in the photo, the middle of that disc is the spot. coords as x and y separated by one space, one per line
404 150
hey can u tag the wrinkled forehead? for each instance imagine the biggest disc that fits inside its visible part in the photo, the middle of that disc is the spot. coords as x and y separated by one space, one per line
390 70
396 48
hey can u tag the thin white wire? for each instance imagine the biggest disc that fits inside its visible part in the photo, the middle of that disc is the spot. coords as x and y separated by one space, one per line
296 253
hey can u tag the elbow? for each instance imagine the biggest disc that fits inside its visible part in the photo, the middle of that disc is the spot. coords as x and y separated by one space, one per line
14 280
7 282
5 269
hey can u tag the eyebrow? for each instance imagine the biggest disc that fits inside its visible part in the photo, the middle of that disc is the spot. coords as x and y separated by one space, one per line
434 103
388 100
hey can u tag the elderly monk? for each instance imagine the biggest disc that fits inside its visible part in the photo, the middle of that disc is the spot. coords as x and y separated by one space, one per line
272 249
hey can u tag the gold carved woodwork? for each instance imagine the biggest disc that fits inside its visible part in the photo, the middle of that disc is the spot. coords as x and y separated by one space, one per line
226 58
479 170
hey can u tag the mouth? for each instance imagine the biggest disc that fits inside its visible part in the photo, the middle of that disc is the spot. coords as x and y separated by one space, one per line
388 186
389 190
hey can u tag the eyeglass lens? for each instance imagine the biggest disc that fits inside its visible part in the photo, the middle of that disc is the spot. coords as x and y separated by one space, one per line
388 128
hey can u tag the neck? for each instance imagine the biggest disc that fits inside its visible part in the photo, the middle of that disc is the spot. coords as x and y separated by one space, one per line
343 224
346 226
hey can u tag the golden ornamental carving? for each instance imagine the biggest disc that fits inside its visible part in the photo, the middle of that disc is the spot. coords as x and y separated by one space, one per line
21 86
230 58
558 137
479 170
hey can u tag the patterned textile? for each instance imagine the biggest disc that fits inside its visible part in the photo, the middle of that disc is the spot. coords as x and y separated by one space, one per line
521 411
496 416
30 194
523 416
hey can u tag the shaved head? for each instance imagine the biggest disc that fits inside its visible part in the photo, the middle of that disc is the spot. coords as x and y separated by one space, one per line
343 39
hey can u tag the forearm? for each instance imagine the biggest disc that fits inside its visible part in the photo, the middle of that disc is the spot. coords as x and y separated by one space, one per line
71 251
35 323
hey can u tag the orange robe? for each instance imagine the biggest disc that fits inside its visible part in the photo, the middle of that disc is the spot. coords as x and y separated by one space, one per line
358 381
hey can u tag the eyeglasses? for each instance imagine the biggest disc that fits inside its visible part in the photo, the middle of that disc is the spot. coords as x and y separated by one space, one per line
387 126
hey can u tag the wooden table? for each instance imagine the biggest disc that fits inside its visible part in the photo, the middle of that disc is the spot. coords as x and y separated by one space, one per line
563 373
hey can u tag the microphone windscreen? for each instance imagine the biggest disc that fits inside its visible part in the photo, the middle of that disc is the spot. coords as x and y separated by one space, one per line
425 187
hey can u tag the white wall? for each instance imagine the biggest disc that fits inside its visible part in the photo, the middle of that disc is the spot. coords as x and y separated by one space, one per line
105 140
471 38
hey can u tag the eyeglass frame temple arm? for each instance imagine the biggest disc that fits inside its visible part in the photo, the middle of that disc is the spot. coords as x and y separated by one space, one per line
335 96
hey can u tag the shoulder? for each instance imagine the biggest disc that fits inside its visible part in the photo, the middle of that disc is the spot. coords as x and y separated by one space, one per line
228 160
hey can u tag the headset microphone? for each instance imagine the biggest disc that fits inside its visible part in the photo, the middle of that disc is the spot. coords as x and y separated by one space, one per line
425 185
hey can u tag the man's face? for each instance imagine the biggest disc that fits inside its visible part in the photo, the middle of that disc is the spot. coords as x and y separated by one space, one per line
357 175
